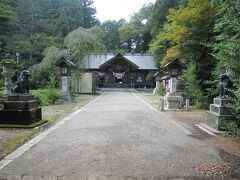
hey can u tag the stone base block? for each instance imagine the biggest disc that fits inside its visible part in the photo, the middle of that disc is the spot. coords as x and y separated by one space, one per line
67 96
220 102
20 105
173 102
20 97
24 117
216 121
220 110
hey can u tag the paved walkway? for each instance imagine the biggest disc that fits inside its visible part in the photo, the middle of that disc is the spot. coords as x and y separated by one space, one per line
118 136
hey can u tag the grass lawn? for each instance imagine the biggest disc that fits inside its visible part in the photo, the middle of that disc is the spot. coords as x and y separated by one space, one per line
152 99
11 138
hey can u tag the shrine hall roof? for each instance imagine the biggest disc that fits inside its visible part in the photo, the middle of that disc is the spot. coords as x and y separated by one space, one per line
143 61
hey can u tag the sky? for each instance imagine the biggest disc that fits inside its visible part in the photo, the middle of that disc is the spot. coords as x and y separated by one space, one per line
117 9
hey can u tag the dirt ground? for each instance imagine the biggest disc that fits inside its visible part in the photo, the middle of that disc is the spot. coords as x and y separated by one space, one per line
189 118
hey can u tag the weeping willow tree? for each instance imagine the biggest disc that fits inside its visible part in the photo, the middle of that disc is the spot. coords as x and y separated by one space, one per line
83 41
46 70
78 43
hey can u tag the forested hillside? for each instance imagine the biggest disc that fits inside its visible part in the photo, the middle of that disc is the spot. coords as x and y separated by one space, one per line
29 26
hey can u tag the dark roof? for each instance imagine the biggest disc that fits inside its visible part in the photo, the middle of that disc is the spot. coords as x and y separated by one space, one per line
174 64
142 61
119 56
66 61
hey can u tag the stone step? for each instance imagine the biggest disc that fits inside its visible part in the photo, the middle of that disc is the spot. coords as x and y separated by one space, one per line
208 129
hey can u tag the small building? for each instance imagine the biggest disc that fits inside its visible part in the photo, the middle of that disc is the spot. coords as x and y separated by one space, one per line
111 70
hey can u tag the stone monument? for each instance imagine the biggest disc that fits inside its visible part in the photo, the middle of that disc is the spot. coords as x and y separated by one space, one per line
7 74
219 113
20 106
173 99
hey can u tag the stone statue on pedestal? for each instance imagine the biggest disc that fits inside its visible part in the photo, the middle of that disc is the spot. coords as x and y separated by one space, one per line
224 84
22 85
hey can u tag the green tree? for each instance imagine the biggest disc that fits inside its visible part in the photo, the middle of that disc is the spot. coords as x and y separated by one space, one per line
78 44
111 34
160 12
83 41
187 33
136 34
189 85
227 50
44 23
6 15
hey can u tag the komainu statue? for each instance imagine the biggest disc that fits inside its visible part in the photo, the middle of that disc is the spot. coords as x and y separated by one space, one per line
225 83
22 84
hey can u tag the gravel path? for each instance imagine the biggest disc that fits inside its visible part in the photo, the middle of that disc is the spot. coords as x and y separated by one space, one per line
118 136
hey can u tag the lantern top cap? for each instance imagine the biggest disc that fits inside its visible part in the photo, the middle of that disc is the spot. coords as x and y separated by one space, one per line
175 63
63 61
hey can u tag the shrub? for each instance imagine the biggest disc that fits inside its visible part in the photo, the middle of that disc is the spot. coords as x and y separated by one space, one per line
161 90
53 95
234 106
189 85
46 96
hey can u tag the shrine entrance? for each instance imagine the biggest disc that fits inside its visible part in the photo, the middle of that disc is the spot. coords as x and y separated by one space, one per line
117 80
120 72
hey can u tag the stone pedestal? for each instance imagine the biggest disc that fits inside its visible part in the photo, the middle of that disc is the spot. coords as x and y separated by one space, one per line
173 101
66 95
219 114
155 91
173 85
20 109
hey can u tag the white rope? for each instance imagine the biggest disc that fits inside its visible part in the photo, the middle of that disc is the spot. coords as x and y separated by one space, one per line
118 75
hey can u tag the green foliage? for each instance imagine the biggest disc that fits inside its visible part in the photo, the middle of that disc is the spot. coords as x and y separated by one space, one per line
185 34
6 15
159 14
227 51
111 34
233 128
161 90
227 42
40 24
9 61
235 102
135 35
46 96
189 86
42 72
83 41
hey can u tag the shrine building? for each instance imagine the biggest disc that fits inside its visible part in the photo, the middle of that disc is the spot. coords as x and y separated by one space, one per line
129 70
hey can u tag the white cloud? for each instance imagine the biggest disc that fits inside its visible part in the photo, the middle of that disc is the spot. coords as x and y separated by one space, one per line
117 9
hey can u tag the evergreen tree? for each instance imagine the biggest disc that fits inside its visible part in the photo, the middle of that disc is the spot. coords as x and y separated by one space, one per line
227 51
6 15
136 34
111 34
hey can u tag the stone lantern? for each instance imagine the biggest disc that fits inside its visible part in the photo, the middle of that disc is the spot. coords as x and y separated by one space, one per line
66 67
7 74
173 99
173 67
